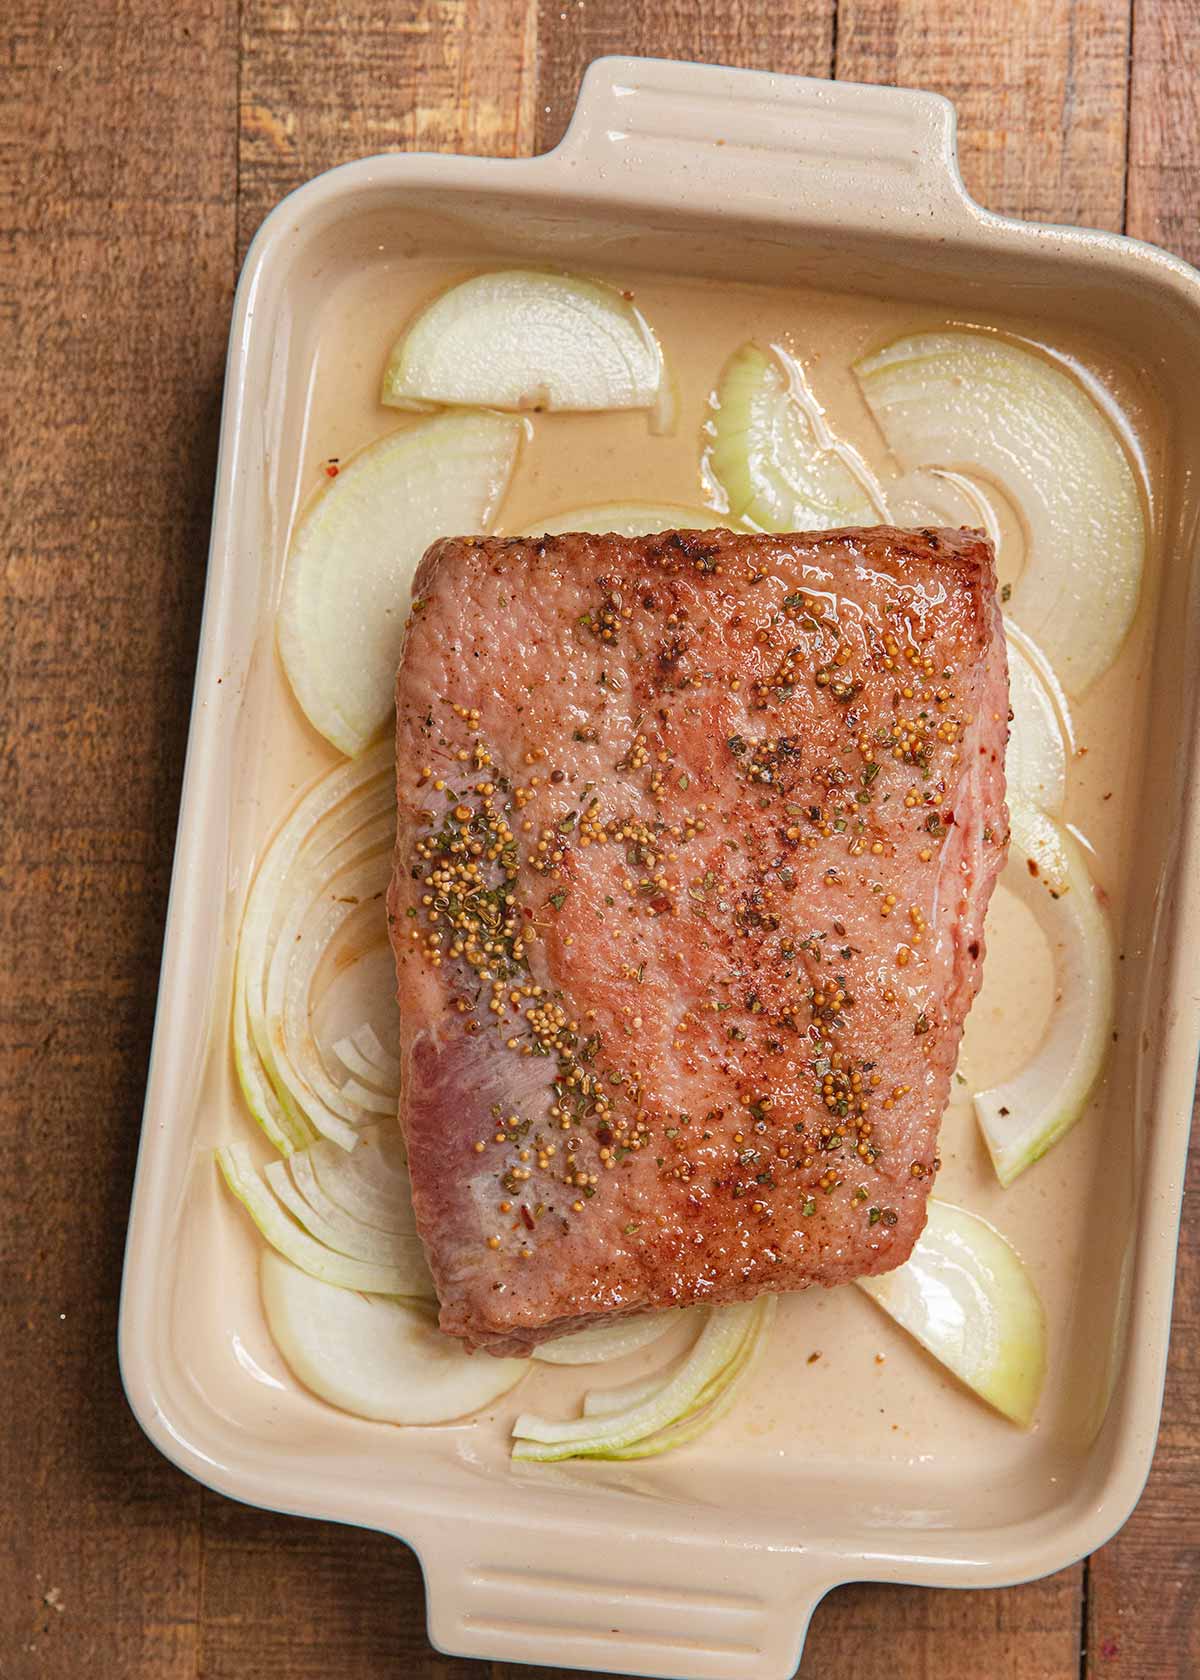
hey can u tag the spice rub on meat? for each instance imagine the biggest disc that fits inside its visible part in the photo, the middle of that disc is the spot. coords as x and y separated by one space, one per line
696 835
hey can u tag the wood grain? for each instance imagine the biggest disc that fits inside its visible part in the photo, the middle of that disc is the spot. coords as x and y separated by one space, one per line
1039 85
1143 1599
796 38
141 143
116 250
321 85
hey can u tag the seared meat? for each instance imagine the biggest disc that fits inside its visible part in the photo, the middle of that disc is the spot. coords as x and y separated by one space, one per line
696 835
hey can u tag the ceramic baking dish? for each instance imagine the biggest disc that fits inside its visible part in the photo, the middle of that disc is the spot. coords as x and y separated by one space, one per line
707 1563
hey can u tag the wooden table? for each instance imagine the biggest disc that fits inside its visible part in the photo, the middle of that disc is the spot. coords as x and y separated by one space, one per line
144 141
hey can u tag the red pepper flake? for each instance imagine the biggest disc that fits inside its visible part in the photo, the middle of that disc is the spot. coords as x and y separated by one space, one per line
332 469
1032 867
526 1217
660 905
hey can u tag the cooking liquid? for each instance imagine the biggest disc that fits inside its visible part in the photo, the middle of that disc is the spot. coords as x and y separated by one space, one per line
840 1392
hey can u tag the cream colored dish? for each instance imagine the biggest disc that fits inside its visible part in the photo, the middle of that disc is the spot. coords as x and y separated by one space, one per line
707 1563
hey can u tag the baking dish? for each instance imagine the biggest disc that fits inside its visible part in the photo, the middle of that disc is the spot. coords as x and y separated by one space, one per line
708 1566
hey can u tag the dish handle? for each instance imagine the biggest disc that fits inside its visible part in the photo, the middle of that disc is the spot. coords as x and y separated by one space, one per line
793 148
560 1592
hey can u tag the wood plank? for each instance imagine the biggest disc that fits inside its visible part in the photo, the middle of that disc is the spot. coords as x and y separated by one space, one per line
116 268
1143 1600
322 85
1021 1633
796 39
1164 135
309 1600
1039 88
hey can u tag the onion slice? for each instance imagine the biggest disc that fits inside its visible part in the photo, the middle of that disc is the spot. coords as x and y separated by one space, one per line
374 1357
366 1041
976 402
712 1403
1035 766
774 455
1022 1118
684 1402
333 1226
349 575
600 1343
335 847
370 1183
408 1277
321 905
400 1219
628 519
966 1296
352 1059
521 340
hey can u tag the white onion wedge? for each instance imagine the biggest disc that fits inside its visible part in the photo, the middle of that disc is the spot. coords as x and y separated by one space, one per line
1022 1118
714 1401
282 1127
606 1402
685 1400
1035 766
717 1343
334 847
774 456
521 340
366 1041
336 1228
346 592
322 904
966 1296
367 1099
370 1182
354 1062
410 1279
628 519
600 1343
400 1219
974 401
374 1357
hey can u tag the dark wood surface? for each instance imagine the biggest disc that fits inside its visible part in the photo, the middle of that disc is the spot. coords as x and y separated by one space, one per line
141 142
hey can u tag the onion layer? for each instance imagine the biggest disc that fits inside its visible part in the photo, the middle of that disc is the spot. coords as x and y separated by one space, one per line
1022 1118
600 1343
774 456
678 1407
349 575
522 340
1035 766
375 1357
405 1275
965 1295
318 891
973 401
